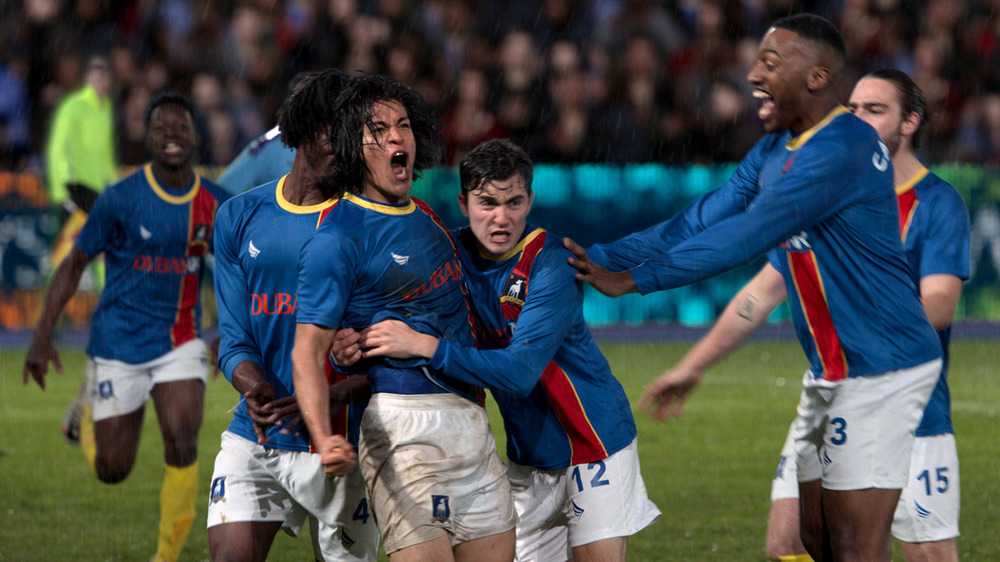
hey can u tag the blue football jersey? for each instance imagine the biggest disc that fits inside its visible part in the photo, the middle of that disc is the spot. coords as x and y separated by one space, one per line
561 404
934 224
823 203
258 237
154 240
371 261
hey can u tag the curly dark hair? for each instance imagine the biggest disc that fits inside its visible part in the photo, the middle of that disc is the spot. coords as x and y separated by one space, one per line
310 106
353 112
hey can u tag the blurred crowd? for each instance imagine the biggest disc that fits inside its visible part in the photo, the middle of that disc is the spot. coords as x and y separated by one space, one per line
570 80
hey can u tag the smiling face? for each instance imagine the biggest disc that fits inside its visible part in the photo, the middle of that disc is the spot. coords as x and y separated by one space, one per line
781 79
498 213
877 103
389 150
171 137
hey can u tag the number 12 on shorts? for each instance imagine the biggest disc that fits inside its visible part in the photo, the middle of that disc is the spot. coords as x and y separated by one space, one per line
595 471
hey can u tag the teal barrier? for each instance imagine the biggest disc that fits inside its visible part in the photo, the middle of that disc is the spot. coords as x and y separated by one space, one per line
589 203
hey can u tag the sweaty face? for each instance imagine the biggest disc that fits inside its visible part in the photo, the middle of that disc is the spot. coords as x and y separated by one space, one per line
876 102
780 78
498 213
389 152
171 137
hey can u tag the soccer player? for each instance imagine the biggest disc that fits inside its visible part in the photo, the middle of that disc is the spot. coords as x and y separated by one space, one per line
571 439
934 223
154 228
266 478
436 486
816 194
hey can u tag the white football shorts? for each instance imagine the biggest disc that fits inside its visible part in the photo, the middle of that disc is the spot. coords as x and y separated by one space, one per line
929 505
578 505
431 469
857 433
256 483
785 485
118 388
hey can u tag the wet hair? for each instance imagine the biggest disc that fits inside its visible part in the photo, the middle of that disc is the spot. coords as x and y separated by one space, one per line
911 99
310 106
816 29
494 160
166 97
354 110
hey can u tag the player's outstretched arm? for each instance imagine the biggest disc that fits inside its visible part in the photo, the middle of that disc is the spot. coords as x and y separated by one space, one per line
63 286
607 282
664 397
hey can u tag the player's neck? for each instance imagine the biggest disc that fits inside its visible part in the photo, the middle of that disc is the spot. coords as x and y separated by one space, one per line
813 115
904 166
173 177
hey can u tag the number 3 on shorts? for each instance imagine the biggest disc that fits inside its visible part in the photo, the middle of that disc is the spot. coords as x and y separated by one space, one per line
839 433
597 477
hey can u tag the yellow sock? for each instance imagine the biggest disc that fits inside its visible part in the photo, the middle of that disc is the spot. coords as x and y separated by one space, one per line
177 499
88 444
796 558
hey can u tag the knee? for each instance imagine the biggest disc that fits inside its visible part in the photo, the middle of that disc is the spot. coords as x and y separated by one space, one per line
111 471
181 452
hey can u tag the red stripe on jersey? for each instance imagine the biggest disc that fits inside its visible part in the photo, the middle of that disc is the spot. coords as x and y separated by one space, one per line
325 212
812 296
907 202
512 309
585 445
470 319
437 220
201 216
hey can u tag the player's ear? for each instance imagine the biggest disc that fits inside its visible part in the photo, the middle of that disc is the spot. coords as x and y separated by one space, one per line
818 79
910 124
463 203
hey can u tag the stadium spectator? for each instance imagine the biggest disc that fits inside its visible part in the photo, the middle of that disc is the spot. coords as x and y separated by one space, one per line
435 483
80 155
154 228
536 354
816 195
467 119
261 461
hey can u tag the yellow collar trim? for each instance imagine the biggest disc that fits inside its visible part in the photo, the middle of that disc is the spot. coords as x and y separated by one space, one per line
908 184
516 249
384 208
162 193
797 142
298 209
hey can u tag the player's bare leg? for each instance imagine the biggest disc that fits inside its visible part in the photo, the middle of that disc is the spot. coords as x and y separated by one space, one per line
783 539
812 528
117 441
936 551
179 408
859 522
493 548
614 549
241 541
438 550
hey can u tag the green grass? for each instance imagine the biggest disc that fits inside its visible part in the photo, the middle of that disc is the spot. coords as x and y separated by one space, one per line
709 472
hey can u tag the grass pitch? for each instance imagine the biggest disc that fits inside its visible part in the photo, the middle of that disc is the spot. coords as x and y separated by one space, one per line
709 472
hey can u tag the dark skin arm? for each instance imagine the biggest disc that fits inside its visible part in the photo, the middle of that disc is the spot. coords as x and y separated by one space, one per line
61 289
609 283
